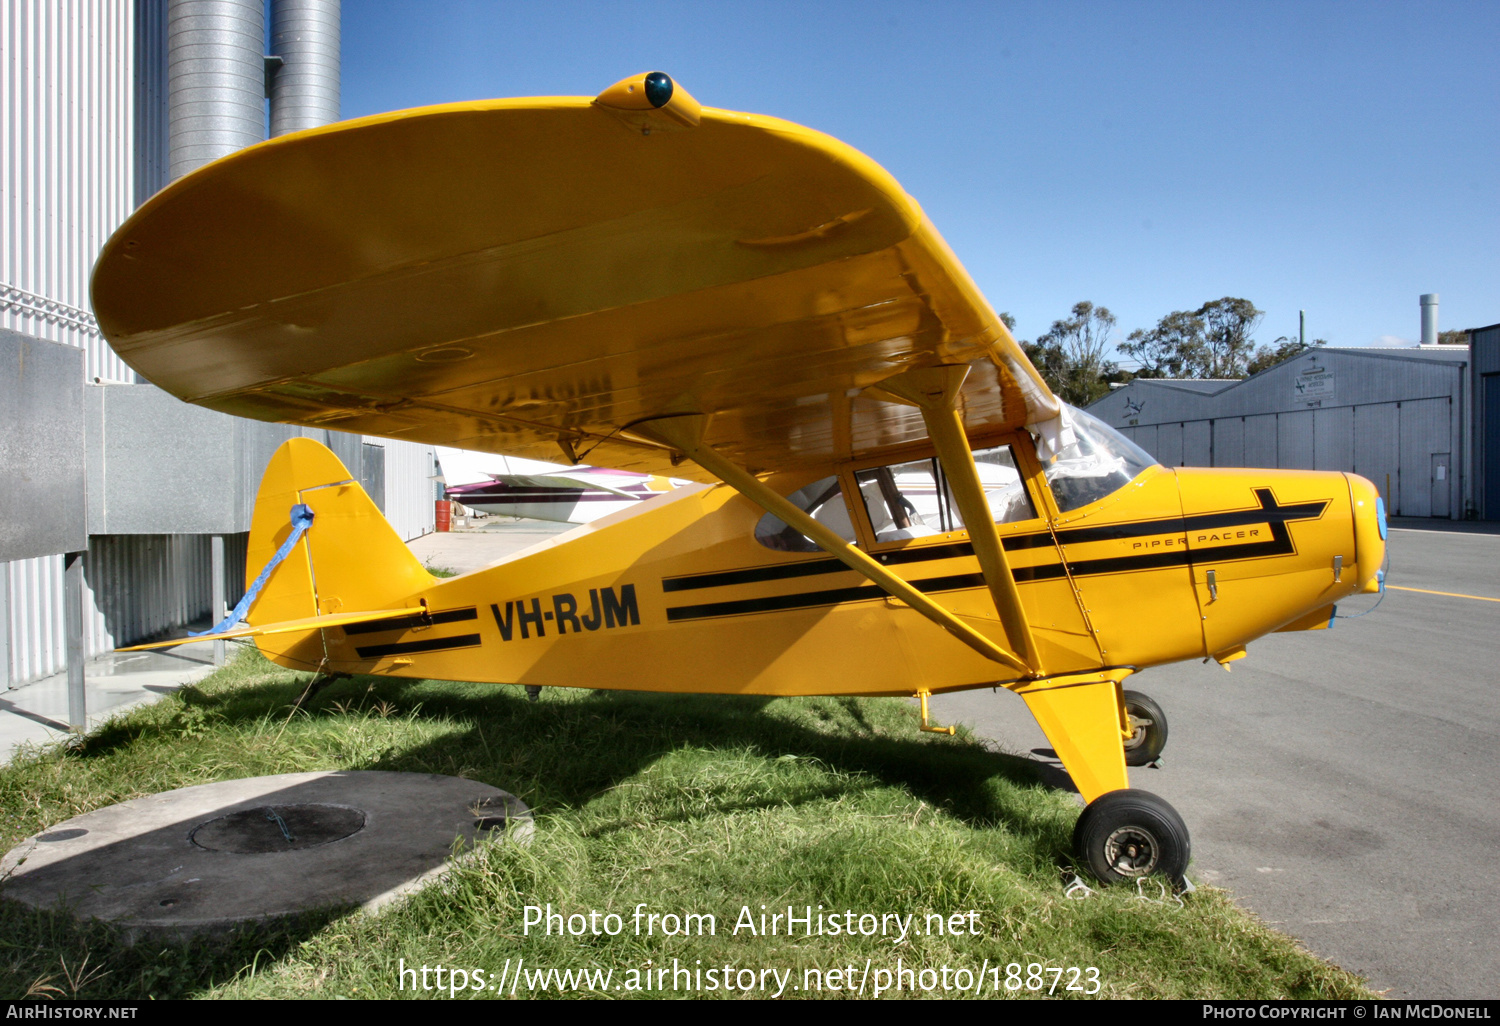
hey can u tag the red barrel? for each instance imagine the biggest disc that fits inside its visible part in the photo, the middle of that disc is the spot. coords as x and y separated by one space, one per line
443 514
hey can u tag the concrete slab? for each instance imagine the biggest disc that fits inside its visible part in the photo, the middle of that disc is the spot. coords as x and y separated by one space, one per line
37 713
214 857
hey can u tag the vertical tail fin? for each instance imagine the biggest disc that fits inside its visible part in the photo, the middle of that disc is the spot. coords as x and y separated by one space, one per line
350 559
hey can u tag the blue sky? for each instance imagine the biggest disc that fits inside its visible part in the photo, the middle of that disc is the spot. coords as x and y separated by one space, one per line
1335 157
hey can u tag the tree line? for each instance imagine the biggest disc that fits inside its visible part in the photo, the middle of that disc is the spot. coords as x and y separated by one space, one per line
1214 341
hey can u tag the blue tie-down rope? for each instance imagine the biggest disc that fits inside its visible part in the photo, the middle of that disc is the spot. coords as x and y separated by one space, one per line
302 518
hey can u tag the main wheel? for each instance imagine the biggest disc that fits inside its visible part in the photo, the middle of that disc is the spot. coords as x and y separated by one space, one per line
1131 833
1149 726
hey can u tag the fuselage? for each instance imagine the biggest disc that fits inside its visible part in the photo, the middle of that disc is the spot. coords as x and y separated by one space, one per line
691 592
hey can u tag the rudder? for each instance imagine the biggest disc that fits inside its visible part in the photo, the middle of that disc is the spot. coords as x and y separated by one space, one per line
349 559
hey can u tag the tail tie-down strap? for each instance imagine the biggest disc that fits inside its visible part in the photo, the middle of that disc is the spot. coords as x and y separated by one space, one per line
302 518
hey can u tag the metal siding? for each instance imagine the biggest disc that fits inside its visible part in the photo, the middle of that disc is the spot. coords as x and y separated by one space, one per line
66 179
141 586
1169 444
1333 438
1294 440
216 80
43 498
1229 442
1197 439
236 548
150 99
1260 441
1425 430
372 474
167 466
409 468
305 90
1487 451
66 182
36 618
1145 437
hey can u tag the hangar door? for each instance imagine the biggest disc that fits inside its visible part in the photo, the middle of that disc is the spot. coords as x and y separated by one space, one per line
1377 454
1491 448
1425 433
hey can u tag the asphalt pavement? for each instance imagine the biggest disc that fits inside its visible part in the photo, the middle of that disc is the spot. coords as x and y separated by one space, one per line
1341 783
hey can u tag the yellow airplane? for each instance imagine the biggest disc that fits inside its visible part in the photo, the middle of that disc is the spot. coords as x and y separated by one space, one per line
890 500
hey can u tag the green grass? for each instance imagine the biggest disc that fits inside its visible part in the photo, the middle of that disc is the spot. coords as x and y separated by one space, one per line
684 803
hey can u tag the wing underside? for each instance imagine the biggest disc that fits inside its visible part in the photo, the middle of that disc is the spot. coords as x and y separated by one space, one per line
534 277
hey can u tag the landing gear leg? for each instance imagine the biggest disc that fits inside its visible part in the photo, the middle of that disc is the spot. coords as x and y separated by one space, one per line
1129 834
533 692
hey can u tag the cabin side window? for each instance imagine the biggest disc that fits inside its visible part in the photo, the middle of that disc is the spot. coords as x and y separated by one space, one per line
824 502
1093 462
915 500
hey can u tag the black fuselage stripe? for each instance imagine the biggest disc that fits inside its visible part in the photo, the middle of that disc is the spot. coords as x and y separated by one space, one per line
1275 517
806 599
406 623
426 645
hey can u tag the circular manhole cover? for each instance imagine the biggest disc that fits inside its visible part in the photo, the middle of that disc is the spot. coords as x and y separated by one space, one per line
273 828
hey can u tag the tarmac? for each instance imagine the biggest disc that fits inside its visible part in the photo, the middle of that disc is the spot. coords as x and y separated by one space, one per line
36 713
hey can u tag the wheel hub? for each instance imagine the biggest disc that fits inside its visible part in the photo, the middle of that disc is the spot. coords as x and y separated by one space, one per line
1132 851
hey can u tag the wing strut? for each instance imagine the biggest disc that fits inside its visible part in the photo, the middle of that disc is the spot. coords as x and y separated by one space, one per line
934 390
685 433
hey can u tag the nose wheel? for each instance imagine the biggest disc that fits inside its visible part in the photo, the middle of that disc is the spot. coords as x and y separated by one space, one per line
1128 834
1148 730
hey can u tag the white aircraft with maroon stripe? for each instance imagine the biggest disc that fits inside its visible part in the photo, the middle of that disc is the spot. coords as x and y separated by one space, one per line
534 490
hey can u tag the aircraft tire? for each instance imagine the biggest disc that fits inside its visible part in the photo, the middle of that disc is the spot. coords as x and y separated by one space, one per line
1130 833
1144 747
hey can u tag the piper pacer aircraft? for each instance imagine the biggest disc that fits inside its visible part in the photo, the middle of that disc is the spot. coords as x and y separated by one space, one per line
890 500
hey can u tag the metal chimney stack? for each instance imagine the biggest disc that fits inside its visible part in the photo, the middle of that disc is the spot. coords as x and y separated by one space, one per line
216 80
305 89
1430 319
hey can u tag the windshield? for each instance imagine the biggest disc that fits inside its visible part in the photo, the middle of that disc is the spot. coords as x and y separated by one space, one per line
1096 461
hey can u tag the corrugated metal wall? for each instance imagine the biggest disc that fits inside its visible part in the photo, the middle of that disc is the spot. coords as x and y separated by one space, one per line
68 135
1485 424
66 179
34 631
1392 444
150 99
1391 416
139 585
409 468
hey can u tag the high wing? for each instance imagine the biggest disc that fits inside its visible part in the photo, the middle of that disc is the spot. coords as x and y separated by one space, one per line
535 276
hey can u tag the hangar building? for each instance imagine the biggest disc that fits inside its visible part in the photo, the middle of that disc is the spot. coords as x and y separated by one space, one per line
1484 386
124 512
1400 417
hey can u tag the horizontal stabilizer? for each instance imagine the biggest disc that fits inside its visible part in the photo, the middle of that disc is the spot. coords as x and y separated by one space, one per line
308 623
